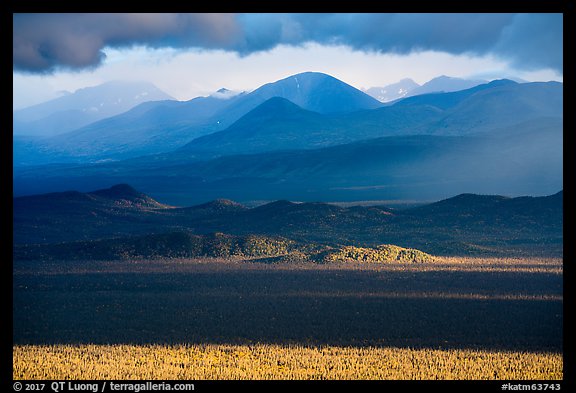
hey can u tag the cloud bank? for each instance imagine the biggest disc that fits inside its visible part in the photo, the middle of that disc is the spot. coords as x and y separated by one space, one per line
44 43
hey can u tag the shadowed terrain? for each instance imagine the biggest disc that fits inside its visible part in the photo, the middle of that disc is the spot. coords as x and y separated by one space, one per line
225 302
107 223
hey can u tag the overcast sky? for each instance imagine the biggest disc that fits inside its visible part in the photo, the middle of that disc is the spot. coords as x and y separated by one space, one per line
188 55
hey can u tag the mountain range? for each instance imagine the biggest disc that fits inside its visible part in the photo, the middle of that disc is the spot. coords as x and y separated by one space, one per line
311 137
464 224
407 87
107 131
153 128
393 91
278 124
84 106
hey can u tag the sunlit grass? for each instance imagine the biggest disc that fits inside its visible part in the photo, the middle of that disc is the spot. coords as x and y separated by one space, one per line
468 264
264 361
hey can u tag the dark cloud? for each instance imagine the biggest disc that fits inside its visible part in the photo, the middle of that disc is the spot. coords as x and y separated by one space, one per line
533 41
45 42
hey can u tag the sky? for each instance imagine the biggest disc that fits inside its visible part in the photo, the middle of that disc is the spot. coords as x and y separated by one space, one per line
191 55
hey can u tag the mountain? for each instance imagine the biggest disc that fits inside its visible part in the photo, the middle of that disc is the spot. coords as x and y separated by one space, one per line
84 106
494 107
416 167
455 226
499 137
393 91
445 84
225 93
149 128
159 127
489 107
317 92
277 124
505 105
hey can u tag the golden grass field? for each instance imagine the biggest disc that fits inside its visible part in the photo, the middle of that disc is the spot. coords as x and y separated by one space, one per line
264 361
454 319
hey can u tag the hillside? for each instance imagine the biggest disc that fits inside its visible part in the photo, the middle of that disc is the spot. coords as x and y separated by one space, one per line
149 128
61 216
218 245
524 161
84 106
462 225
277 124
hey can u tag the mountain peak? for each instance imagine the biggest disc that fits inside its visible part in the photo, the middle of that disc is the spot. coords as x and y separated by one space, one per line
311 74
502 82
443 77
318 92
393 91
224 94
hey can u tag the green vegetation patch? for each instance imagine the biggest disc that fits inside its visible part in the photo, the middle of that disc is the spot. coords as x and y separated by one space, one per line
380 254
168 245
266 249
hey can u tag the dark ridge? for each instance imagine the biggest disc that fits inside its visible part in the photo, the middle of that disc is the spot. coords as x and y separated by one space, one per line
125 194
71 195
462 202
119 191
466 224
62 203
275 206
221 204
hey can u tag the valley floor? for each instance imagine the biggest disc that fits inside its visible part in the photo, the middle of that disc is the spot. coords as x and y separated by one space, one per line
454 318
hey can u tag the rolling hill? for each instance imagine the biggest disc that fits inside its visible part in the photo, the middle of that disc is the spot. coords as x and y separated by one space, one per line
462 225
